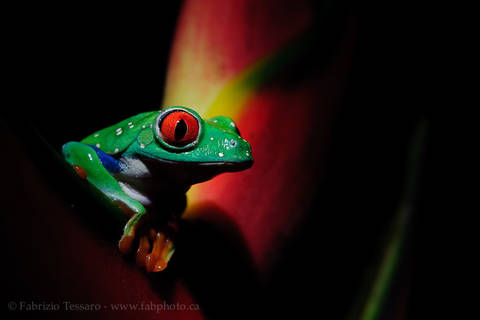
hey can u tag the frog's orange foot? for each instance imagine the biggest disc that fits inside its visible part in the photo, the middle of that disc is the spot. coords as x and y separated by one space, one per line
154 251
161 253
80 171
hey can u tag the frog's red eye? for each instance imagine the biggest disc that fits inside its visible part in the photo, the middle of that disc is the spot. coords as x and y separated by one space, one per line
179 128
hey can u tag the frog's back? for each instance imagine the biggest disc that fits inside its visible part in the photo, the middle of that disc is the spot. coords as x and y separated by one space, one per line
116 139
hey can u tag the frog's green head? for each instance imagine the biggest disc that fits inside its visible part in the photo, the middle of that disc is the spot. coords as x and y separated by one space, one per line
211 146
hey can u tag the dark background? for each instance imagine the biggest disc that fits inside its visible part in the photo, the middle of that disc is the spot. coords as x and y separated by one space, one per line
77 69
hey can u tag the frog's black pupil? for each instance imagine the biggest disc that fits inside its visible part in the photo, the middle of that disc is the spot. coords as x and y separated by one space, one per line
180 129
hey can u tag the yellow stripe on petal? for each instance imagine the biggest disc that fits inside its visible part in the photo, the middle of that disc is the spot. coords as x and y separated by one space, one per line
233 97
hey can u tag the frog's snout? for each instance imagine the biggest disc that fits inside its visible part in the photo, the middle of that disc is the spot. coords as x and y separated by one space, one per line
228 146
237 153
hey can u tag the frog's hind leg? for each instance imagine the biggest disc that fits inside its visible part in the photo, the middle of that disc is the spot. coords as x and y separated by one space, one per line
86 162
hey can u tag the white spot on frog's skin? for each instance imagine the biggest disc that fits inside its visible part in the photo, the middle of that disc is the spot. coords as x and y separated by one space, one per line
96 135
211 138
143 127
116 150
247 153
215 120
98 145
151 125
119 131
90 157
232 124
142 145
131 126
220 154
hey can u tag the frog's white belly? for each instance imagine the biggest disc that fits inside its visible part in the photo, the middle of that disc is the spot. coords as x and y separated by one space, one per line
135 194
150 181
134 180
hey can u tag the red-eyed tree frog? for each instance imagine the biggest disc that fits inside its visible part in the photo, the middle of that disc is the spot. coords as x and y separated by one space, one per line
146 163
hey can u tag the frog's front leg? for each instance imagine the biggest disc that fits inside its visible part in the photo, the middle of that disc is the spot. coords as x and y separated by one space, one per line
88 165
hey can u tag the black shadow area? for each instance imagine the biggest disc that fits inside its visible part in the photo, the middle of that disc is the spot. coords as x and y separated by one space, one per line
216 266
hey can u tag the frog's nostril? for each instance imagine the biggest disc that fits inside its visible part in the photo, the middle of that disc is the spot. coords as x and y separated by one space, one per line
233 143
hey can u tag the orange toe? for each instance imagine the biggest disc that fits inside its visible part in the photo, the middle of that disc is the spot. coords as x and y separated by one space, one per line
142 251
157 260
125 244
